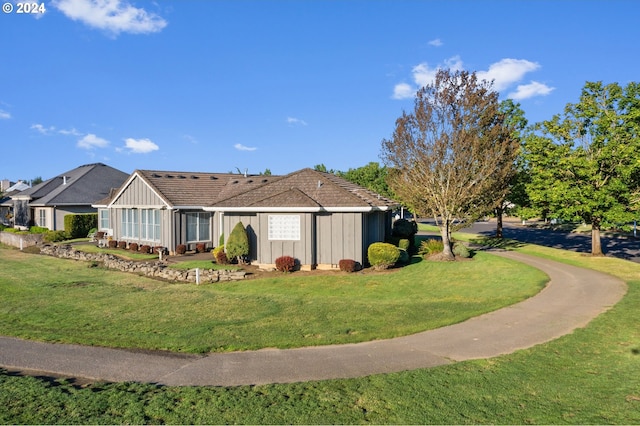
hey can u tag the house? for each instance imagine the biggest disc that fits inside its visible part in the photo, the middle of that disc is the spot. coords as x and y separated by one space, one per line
72 192
6 203
316 217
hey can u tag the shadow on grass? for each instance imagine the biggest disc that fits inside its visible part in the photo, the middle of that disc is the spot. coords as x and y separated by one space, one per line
492 243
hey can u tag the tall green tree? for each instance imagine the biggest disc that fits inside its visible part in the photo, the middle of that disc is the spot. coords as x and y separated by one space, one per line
450 158
371 176
584 164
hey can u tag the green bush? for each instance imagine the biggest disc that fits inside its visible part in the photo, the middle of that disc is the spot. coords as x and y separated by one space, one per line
221 240
382 255
217 250
404 229
238 243
79 225
92 231
404 244
430 247
460 250
404 258
55 236
38 230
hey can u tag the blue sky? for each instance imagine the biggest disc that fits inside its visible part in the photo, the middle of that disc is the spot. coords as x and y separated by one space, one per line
215 86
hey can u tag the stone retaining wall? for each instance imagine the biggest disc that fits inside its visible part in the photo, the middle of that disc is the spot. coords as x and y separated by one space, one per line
155 269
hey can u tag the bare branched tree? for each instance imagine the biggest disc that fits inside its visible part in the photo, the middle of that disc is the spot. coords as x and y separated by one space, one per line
453 156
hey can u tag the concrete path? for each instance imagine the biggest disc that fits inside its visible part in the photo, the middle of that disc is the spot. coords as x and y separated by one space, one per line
573 297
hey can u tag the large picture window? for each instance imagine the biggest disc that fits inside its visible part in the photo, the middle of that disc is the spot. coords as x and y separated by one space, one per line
284 227
198 227
150 225
130 223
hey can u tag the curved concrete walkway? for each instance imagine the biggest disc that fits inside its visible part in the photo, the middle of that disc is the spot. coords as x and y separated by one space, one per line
572 298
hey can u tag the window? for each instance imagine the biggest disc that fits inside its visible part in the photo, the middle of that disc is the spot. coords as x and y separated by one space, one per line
130 223
150 225
42 218
198 228
284 227
104 219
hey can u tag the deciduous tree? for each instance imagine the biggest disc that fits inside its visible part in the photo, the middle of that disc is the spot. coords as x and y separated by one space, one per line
585 163
450 157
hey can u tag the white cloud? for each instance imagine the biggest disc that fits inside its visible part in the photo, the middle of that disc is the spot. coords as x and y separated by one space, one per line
4 115
43 130
114 16
403 91
507 71
525 91
140 146
436 42
92 141
292 121
423 75
503 73
241 147
70 132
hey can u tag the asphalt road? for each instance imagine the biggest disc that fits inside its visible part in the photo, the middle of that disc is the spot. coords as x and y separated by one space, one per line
621 247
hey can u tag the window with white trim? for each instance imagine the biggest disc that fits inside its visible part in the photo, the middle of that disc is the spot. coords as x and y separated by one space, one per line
104 218
130 223
198 227
42 218
150 224
284 227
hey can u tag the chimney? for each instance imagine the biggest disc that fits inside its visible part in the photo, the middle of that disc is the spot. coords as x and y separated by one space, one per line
64 180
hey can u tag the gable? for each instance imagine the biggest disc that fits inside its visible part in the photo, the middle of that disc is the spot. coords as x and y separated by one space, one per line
136 192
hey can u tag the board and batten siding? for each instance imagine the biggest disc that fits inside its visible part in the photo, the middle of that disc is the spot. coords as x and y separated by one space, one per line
138 194
338 236
302 249
251 224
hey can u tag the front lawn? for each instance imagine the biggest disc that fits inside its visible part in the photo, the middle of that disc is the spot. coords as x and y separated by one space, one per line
591 376
59 300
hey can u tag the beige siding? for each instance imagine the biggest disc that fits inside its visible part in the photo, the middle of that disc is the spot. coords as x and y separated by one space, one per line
138 194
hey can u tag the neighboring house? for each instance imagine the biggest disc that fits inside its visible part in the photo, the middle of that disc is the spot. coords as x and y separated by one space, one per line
72 192
6 203
316 217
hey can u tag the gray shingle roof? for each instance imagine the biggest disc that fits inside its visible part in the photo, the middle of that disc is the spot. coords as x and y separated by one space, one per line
83 185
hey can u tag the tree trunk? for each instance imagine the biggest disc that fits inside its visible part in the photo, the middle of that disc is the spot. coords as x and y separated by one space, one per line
445 232
596 245
499 211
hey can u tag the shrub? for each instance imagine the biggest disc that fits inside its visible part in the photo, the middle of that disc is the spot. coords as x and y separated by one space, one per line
78 225
431 246
112 244
122 244
181 249
238 243
404 244
460 250
404 229
217 250
221 258
54 236
221 240
201 247
133 246
404 257
92 231
383 255
38 230
348 265
145 249
285 263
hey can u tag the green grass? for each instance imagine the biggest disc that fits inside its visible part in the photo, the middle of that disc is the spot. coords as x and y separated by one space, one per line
591 376
203 264
67 301
122 253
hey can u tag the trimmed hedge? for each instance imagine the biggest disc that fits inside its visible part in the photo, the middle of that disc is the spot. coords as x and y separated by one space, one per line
79 225
237 245
382 255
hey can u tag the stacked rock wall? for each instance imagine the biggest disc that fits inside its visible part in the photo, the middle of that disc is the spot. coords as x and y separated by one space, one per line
155 269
